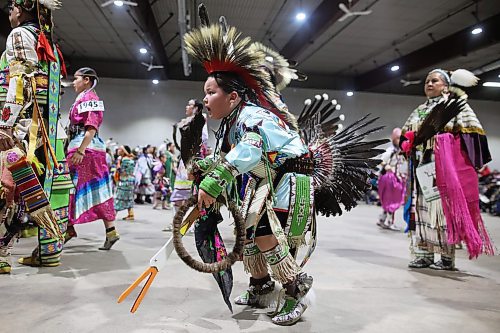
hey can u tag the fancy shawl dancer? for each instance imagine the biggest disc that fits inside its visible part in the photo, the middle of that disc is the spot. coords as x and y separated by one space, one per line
30 71
285 176
445 145
86 154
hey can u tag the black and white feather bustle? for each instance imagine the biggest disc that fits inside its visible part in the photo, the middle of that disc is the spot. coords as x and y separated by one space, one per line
343 159
316 121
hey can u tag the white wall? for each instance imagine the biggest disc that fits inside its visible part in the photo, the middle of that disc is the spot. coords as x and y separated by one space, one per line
139 113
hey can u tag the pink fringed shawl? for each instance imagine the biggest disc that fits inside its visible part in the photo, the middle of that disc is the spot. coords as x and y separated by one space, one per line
458 186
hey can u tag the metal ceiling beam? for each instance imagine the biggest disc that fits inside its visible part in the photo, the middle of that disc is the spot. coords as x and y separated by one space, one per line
132 70
144 13
323 17
460 43
4 24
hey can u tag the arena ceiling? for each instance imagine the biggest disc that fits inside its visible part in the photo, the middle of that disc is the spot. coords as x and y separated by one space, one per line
355 53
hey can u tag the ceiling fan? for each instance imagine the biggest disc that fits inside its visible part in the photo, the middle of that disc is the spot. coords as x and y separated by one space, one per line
150 66
407 83
349 13
118 3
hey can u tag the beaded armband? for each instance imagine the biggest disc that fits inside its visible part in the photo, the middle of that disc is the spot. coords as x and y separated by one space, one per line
204 165
215 181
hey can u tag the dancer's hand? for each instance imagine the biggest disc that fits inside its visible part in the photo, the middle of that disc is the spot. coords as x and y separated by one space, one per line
6 141
204 200
77 158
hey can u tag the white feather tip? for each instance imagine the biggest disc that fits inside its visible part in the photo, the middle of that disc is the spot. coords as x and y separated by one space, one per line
307 101
342 117
51 4
325 97
463 78
318 97
337 107
334 102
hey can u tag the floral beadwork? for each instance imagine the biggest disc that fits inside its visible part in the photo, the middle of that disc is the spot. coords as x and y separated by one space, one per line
12 157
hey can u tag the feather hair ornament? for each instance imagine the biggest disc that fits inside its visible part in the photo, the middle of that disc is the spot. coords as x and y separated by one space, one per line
464 78
282 73
282 70
203 14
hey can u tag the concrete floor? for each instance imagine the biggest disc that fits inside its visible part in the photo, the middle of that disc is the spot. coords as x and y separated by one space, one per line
361 284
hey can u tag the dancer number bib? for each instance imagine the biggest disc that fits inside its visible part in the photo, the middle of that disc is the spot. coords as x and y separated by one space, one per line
89 106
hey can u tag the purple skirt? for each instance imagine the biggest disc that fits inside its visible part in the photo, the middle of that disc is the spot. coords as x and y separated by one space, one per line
391 191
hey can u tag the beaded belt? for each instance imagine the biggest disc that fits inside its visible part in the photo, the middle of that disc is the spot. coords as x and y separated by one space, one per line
75 129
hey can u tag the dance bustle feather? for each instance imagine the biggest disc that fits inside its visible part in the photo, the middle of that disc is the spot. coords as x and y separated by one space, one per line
437 119
343 162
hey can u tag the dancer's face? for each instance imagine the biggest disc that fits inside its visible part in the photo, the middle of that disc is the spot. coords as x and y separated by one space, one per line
81 83
434 85
219 104
14 15
190 108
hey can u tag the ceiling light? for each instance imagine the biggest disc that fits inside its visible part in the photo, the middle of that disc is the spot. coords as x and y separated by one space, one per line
498 75
492 84
349 93
476 31
118 3
301 16
395 68
155 81
143 50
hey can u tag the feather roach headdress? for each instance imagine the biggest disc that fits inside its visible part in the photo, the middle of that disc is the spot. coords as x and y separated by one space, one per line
221 48
226 51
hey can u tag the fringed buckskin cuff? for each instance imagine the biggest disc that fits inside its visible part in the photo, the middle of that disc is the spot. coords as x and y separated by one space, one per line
282 264
253 260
